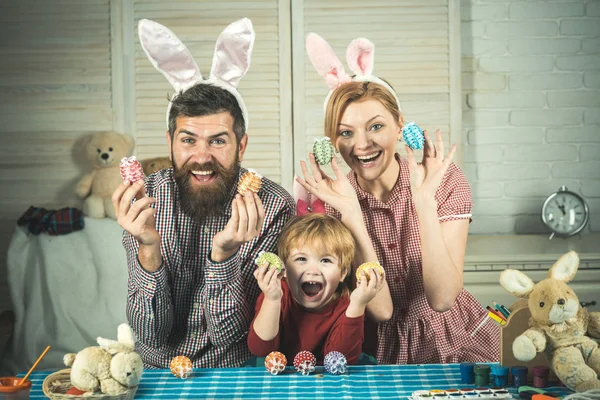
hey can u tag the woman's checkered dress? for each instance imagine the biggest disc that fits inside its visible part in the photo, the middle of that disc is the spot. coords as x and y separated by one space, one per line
416 334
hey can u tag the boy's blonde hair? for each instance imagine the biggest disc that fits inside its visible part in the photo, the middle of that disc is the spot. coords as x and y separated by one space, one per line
320 231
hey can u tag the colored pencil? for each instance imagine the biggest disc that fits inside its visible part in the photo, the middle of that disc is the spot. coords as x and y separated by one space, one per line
496 313
501 310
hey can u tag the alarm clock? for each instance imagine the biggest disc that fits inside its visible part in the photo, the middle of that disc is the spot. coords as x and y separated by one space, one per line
565 213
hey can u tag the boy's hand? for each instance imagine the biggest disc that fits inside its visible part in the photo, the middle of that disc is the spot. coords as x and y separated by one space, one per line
367 289
269 282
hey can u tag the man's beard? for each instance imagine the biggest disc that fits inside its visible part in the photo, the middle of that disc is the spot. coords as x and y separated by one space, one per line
208 200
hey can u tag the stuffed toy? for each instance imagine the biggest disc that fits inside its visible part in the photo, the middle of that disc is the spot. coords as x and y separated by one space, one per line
111 368
559 326
104 151
151 165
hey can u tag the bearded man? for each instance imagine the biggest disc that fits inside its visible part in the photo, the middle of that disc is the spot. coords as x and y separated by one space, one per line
191 239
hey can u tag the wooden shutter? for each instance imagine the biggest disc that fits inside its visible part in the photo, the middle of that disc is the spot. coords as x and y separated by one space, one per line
55 85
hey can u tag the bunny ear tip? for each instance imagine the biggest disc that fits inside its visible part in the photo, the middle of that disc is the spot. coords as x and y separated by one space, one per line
246 22
147 22
361 41
146 26
312 37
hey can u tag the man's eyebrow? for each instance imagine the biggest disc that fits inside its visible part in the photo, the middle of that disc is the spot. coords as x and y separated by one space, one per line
216 135
186 132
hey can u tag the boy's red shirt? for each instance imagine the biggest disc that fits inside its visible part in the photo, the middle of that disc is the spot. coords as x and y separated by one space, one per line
318 331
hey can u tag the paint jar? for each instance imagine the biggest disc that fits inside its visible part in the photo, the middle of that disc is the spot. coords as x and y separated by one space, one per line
11 390
540 376
519 376
500 374
466 373
482 375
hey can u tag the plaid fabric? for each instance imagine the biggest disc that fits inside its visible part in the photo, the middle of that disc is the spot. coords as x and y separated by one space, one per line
193 306
359 382
416 334
53 222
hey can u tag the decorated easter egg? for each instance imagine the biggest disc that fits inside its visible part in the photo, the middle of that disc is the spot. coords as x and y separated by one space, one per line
272 258
181 366
335 363
305 362
366 268
323 150
275 362
131 169
250 180
413 136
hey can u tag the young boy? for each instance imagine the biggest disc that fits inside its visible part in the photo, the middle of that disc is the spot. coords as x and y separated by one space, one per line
311 309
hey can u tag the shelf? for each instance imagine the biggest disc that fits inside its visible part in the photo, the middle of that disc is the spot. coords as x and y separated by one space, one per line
530 249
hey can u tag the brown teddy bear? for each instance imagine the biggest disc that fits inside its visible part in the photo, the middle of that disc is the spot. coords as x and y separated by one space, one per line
559 326
104 151
151 165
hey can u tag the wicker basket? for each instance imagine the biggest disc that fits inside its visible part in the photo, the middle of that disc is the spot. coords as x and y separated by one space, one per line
58 383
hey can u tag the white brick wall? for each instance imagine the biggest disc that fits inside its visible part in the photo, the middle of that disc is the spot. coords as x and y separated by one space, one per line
531 112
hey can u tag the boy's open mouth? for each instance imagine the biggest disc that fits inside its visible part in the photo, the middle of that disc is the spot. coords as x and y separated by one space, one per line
312 289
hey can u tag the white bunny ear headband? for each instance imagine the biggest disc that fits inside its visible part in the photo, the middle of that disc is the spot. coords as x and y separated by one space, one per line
171 57
360 57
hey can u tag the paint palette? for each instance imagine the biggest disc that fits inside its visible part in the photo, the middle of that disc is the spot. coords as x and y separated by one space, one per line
460 394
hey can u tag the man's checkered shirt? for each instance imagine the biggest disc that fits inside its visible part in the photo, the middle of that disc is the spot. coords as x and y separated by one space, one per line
193 306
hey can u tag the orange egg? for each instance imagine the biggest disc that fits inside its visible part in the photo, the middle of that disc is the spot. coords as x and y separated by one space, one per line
366 268
181 367
275 362
251 181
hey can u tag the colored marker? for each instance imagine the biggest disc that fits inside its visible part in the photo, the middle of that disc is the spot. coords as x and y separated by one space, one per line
501 310
496 313
505 309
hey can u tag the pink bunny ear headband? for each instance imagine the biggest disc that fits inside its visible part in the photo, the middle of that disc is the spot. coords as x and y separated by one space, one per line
230 62
359 56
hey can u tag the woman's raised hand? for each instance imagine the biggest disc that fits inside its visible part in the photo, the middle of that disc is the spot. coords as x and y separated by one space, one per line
425 178
338 192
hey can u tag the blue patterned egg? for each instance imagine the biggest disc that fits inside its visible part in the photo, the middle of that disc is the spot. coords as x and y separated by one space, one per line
413 136
335 363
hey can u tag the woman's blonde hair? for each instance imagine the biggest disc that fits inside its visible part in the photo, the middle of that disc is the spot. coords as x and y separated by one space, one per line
356 92
323 232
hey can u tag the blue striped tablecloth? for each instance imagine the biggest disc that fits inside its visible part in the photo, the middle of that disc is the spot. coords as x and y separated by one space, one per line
359 382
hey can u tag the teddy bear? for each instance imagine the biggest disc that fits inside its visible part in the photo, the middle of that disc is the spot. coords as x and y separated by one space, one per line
112 367
558 326
151 165
104 151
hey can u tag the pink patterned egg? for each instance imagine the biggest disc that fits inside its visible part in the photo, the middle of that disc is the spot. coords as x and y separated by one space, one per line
275 362
131 169
305 362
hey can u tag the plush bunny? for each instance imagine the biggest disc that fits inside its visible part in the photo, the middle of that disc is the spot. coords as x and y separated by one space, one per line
112 368
559 326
